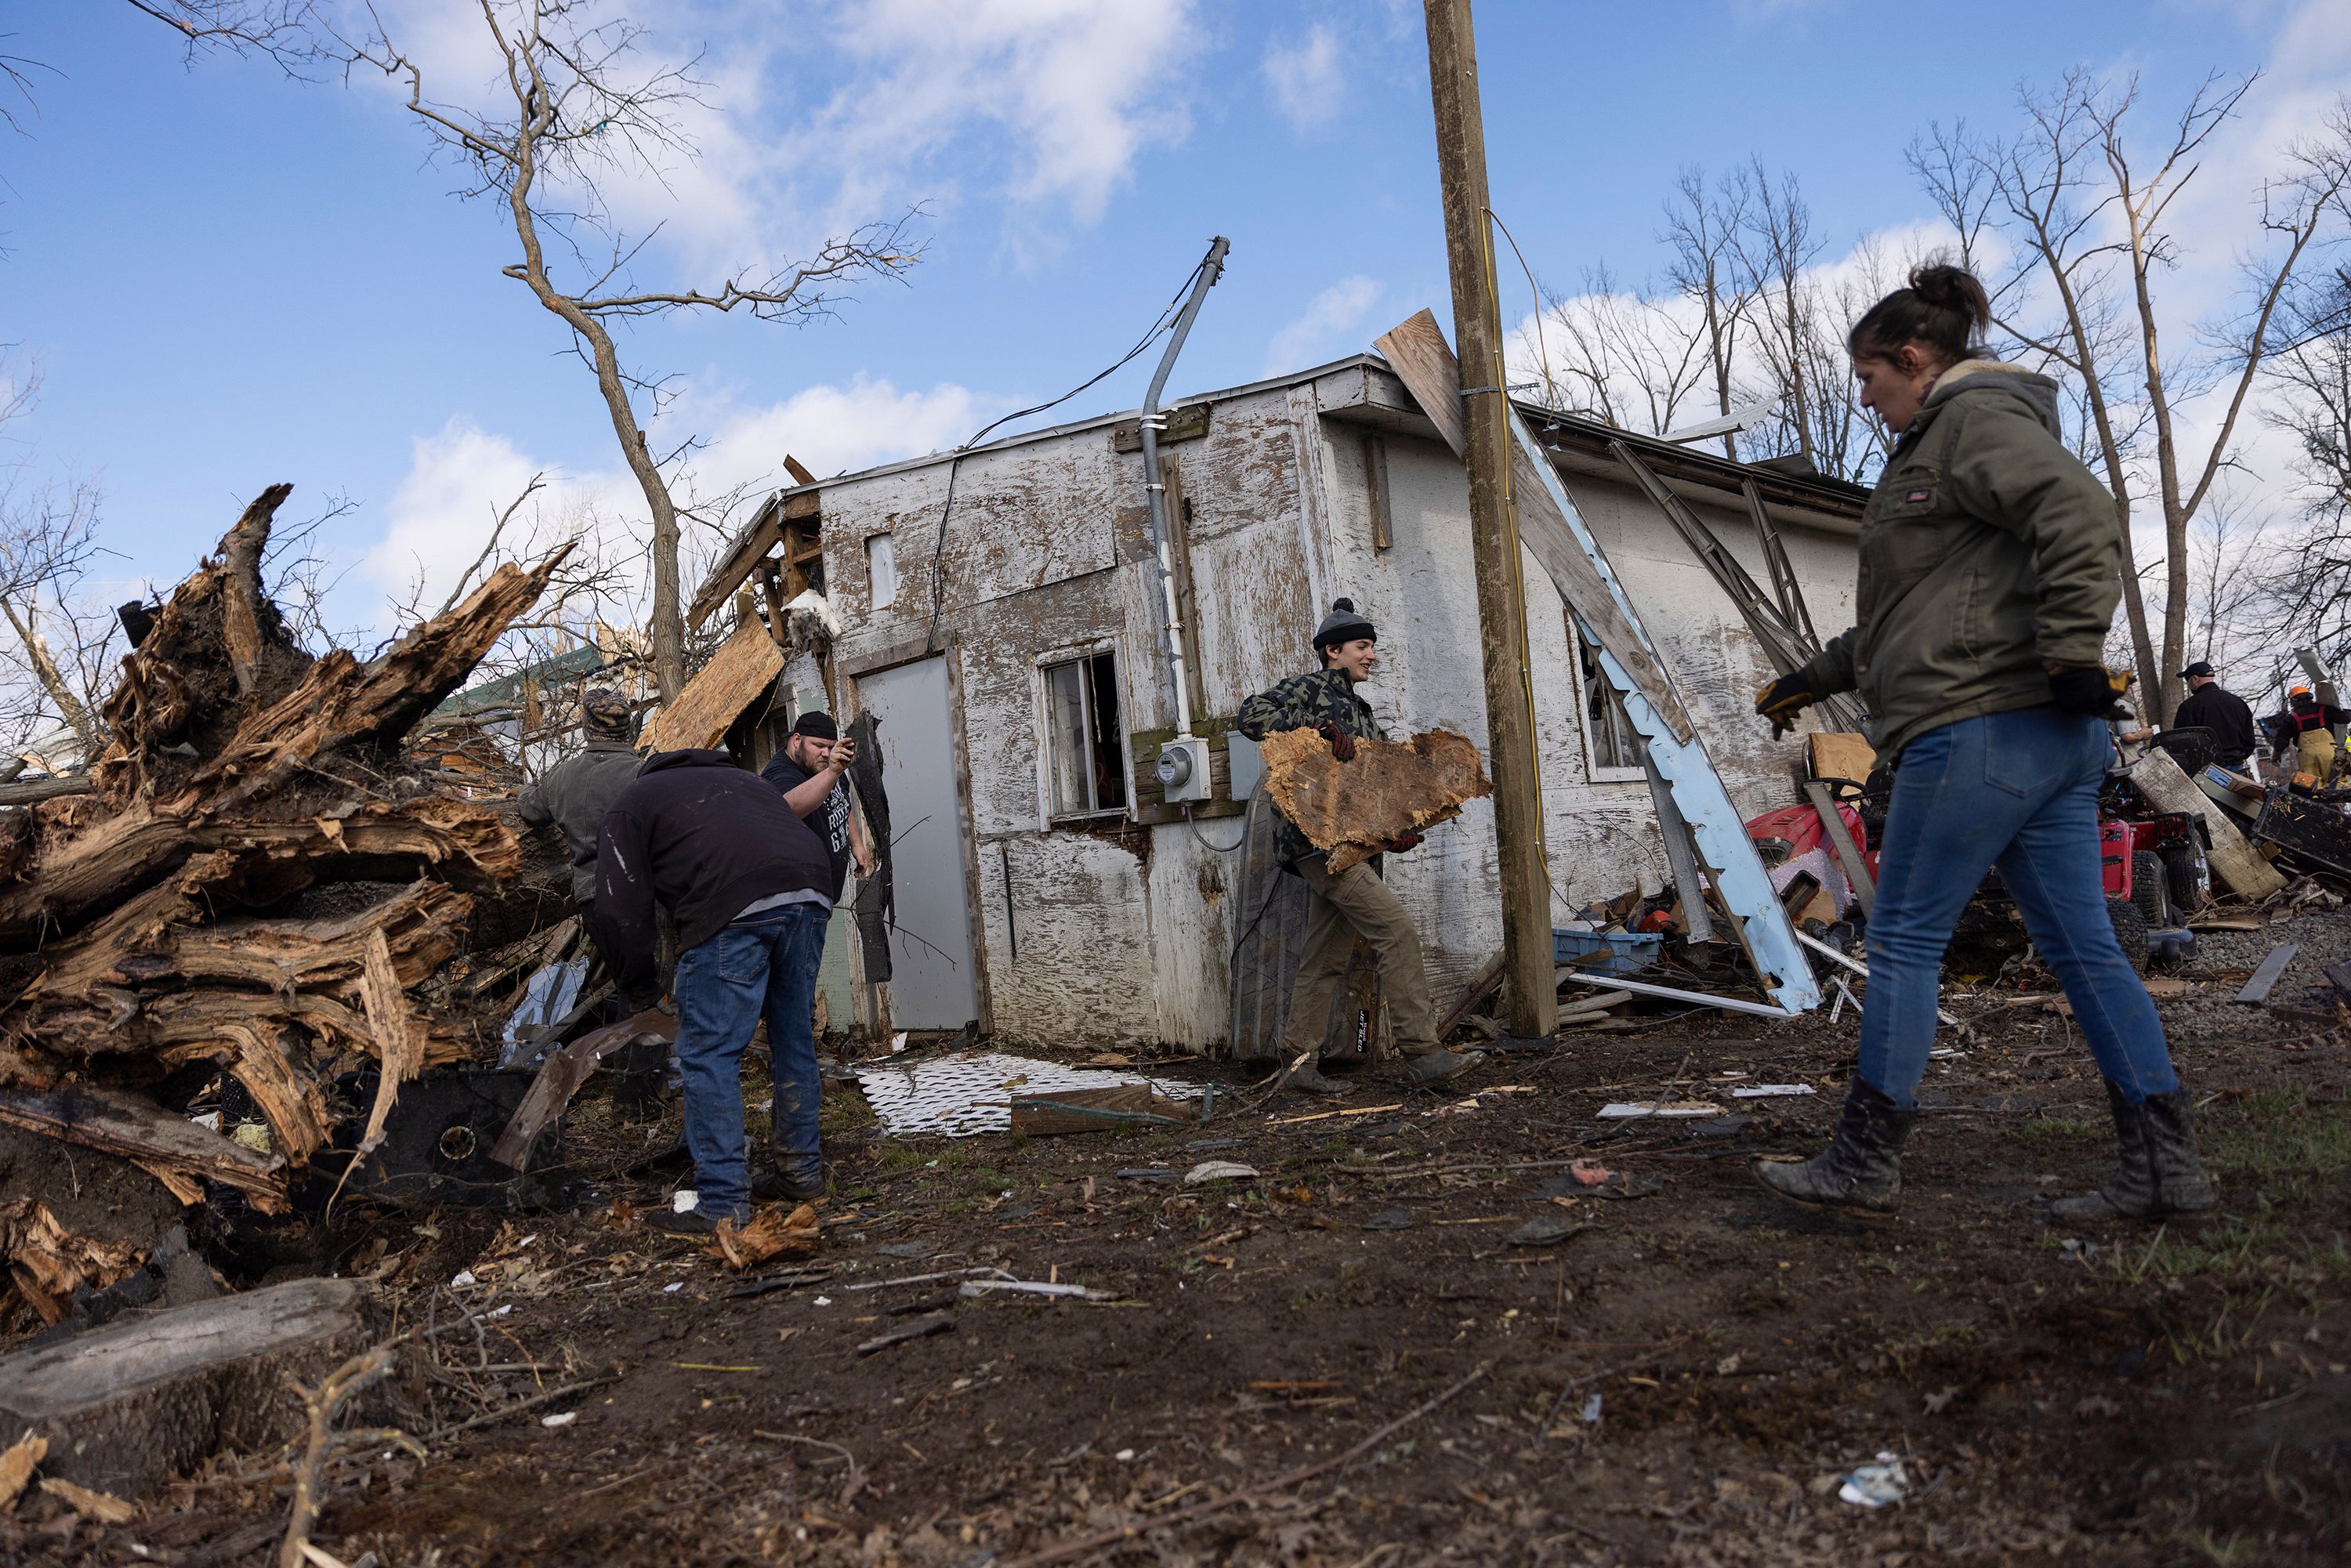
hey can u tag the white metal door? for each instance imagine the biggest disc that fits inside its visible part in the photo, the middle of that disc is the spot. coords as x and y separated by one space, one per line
931 982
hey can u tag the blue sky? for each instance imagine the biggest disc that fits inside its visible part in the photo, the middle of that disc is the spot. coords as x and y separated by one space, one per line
226 278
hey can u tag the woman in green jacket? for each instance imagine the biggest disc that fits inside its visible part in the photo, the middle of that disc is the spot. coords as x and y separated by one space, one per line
1989 576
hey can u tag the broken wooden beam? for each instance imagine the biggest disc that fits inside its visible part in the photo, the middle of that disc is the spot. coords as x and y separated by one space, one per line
2265 975
2167 788
127 1408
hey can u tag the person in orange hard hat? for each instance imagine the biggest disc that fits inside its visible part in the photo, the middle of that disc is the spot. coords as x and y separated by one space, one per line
2303 734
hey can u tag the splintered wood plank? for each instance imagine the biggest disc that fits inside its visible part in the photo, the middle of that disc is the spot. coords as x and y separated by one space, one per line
2240 871
1355 810
744 667
1417 351
2264 977
399 1043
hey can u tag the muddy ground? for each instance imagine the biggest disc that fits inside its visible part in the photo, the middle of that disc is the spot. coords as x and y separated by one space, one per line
1683 1379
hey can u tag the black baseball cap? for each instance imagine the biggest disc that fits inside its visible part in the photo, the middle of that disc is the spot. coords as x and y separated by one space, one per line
2200 667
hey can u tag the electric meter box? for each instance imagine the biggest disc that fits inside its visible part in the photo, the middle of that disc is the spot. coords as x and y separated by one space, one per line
1182 770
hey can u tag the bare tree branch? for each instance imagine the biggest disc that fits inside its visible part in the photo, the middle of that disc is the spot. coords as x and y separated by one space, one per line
581 108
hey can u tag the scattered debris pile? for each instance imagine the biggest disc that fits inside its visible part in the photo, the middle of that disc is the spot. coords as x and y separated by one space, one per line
257 887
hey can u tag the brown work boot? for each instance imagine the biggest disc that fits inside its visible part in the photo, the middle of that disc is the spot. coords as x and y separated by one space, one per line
1437 1066
1309 1079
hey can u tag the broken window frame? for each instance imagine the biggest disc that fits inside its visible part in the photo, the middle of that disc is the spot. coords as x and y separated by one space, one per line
881 581
1104 739
1617 737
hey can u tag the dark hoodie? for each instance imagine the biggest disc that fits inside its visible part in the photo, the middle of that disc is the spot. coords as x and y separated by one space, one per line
703 839
1988 553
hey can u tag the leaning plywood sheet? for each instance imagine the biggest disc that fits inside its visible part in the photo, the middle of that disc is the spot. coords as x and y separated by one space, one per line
2241 871
1355 810
745 666
1549 525
1419 353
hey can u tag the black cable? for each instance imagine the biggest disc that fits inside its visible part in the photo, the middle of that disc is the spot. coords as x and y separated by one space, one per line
938 550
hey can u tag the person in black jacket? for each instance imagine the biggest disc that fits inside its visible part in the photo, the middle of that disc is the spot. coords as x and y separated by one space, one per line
750 886
2211 705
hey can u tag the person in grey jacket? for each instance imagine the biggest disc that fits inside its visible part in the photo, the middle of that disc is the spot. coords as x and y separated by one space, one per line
577 792
1989 562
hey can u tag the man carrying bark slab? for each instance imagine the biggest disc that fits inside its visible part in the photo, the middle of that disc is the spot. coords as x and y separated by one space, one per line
1354 902
750 887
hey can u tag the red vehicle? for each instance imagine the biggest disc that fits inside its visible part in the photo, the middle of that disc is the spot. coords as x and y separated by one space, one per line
2152 864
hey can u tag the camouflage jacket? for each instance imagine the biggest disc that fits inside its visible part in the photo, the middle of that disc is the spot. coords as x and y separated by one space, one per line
1306 702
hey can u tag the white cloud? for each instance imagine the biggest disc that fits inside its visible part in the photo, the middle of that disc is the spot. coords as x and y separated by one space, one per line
1305 77
1323 327
1079 87
461 477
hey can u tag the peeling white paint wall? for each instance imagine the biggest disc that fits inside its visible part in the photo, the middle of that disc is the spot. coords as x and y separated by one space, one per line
1106 932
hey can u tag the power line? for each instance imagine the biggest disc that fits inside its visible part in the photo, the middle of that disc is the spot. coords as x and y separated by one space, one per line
938 549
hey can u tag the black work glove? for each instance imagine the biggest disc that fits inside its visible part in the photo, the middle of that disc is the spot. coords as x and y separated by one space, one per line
1343 745
2092 689
1784 699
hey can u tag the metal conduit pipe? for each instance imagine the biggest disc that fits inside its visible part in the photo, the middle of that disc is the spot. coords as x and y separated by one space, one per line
1155 487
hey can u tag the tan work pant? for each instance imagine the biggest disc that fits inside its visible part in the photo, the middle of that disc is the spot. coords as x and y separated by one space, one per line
2315 749
1356 903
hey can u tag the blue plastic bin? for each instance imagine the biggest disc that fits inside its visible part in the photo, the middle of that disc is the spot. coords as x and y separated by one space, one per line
1628 953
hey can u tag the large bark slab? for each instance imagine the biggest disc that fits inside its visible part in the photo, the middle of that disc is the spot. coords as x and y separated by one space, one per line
1355 810
128 1406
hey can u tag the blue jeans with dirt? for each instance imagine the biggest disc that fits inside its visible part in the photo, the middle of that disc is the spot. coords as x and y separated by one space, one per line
763 966
2018 790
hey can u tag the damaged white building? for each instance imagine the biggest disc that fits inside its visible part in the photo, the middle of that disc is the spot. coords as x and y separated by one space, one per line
1016 661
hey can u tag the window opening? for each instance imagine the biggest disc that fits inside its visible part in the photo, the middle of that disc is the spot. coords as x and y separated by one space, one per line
1611 747
882 570
1083 752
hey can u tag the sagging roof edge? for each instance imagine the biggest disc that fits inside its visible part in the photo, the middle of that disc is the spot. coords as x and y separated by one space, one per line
1362 390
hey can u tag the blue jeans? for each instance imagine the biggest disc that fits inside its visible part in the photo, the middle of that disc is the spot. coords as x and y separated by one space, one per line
2019 790
762 966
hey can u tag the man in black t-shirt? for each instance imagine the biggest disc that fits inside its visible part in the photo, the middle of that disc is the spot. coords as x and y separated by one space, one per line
808 773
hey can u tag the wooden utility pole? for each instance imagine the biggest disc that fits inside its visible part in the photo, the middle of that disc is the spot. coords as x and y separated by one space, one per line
1527 984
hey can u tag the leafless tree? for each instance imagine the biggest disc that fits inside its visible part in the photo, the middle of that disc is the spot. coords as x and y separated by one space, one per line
288 32
2309 583
1776 248
1622 354
1702 227
2089 212
579 107
2054 300
2300 207
54 670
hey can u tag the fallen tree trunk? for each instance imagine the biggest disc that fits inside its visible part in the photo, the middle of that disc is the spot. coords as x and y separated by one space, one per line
242 776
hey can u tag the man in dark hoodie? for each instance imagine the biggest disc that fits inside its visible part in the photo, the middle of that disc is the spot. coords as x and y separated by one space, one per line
750 886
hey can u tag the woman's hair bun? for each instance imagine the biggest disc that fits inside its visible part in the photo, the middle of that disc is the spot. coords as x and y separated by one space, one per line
1944 309
1948 287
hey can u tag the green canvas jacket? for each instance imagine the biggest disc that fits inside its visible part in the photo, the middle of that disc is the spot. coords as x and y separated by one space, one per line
1306 702
1988 553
